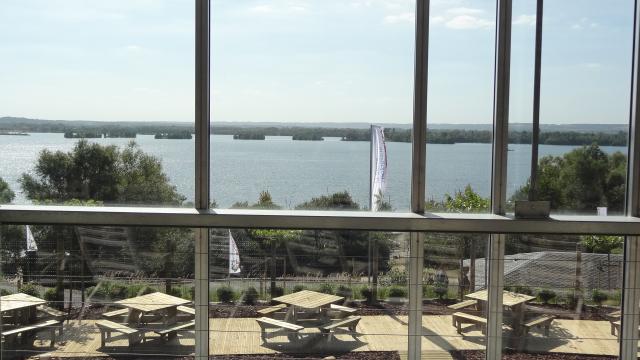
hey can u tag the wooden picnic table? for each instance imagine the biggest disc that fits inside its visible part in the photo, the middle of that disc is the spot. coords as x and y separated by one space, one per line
157 302
308 300
21 306
514 301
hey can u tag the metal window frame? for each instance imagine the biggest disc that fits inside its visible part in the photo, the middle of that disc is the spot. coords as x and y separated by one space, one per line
416 221
631 274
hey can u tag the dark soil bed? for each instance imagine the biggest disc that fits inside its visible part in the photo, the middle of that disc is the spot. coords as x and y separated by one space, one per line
510 355
360 355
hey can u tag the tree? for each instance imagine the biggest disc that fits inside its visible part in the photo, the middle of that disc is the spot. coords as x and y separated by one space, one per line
6 194
336 201
467 201
602 244
93 174
581 179
102 173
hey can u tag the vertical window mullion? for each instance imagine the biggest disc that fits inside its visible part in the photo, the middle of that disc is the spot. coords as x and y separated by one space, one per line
498 176
202 126
418 165
631 274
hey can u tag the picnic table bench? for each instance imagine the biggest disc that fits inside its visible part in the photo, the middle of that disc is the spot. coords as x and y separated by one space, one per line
463 304
186 310
50 325
272 309
269 323
350 323
344 309
54 314
540 321
107 327
116 313
460 318
167 334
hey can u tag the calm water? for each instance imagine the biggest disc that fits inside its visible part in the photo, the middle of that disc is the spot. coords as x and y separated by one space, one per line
295 171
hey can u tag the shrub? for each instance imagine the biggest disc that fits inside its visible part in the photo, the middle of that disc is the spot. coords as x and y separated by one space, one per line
571 300
250 296
523 290
53 298
344 291
134 290
546 295
278 291
598 296
441 291
225 294
30 289
299 288
326 289
397 292
367 294
5 292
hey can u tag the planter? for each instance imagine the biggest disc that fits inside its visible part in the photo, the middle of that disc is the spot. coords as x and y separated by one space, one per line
397 300
532 209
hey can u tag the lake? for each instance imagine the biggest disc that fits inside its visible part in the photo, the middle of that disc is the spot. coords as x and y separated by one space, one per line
296 171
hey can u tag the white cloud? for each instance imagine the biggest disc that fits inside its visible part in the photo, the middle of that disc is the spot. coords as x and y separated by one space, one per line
462 18
262 9
407 17
291 7
464 11
584 23
467 22
436 20
529 20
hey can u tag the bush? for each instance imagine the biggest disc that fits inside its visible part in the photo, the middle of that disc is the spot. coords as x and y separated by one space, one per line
134 290
599 297
225 294
52 298
546 295
523 290
250 296
326 289
441 291
344 291
397 292
571 300
5 292
298 288
367 294
278 291
30 289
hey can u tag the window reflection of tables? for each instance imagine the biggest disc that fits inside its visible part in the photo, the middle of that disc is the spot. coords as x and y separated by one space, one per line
307 304
515 302
155 303
20 308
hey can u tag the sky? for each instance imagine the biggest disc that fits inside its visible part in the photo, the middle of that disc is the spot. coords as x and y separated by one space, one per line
308 60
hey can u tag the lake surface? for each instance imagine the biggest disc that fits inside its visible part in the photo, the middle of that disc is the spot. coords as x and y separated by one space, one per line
296 171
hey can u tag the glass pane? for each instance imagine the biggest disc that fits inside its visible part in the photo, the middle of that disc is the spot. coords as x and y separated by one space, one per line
82 80
562 294
96 291
296 88
584 105
454 295
308 292
461 62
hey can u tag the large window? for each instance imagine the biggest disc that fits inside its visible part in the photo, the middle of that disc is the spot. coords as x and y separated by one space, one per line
285 96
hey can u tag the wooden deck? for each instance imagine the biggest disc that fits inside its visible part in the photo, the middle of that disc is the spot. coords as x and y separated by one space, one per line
380 333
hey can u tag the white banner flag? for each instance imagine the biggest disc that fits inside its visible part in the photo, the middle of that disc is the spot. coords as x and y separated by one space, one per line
31 241
378 166
234 256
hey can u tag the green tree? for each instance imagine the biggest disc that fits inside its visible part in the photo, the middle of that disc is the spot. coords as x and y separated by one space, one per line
102 173
581 179
6 194
602 244
337 201
467 201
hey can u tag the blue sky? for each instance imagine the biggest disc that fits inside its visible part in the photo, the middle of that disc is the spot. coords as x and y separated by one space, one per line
307 61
